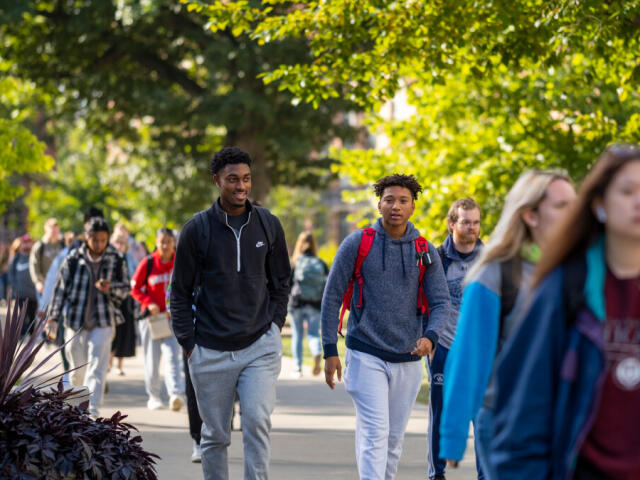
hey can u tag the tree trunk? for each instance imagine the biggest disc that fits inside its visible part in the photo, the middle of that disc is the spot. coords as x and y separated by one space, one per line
251 143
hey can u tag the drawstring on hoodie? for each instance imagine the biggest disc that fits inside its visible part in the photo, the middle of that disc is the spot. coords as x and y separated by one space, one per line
384 251
404 271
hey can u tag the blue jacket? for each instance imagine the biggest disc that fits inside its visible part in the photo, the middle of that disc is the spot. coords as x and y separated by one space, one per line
550 373
468 371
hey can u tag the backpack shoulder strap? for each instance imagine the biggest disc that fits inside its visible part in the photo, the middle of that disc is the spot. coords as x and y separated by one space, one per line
443 258
149 259
268 225
73 265
422 251
510 274
366 241
202 244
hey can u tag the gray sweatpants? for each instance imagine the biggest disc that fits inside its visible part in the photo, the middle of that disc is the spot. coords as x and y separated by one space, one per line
216 375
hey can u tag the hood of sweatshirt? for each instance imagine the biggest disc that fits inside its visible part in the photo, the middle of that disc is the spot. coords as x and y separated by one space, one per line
409 237
453 254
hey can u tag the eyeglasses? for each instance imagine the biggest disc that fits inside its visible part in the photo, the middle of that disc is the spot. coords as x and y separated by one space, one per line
469 223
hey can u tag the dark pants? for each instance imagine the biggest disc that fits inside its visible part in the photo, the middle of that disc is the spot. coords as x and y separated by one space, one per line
435 464
31 304
4 284
195 422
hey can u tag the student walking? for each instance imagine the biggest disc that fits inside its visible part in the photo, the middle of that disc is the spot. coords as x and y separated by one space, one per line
233 257
570 377
308 280
149 287
22 287
124 340
497 286
399 306
43 253
458 252
92 282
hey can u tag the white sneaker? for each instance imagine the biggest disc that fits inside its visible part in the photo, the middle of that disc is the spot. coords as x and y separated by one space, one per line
154 404
176 402
196 456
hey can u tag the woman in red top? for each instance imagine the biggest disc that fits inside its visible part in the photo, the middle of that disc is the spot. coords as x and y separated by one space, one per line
149 288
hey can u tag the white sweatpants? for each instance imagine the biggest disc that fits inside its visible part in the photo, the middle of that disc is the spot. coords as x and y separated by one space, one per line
384 394
90 347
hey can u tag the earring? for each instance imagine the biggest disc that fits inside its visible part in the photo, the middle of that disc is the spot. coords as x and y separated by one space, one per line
601 215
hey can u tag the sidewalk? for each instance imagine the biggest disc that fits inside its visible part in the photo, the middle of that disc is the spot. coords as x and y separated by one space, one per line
312 435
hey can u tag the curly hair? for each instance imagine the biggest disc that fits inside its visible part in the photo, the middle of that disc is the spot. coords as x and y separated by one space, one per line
398 180
228 156
465 204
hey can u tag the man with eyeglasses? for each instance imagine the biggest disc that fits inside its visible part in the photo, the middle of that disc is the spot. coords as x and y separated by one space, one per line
457 253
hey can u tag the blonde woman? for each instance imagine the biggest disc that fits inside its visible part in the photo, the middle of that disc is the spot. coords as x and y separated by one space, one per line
570 408
497 286
309 274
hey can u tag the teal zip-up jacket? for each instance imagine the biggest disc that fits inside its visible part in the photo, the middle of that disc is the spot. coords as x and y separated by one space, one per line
550 374
470 362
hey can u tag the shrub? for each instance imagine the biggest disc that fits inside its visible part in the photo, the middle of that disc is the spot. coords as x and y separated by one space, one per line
42 436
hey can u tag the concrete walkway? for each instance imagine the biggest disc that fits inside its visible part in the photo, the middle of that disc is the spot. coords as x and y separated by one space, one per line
312 435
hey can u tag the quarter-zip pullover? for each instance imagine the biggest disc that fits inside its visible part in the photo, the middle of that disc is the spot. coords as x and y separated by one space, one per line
236 302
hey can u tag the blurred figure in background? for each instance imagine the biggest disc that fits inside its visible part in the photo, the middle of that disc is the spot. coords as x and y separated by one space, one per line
124 341
149 287
43 253
22 287
4 272
497 287
92 283
569 379
308 277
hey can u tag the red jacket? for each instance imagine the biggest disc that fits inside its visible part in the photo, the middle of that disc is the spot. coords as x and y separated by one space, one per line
154 288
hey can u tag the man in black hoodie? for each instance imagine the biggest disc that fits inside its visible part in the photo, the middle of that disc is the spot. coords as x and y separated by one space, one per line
232 264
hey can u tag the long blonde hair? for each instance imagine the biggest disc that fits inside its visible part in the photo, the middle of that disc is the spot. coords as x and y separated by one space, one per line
511 231
305 242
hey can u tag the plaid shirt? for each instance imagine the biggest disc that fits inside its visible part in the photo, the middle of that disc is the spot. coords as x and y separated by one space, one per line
71 291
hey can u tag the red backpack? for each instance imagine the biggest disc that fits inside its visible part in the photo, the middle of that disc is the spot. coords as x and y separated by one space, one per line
368 234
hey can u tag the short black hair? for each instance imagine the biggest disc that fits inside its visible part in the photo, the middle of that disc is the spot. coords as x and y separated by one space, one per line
166 231
92 212
398 180
228 156
95 225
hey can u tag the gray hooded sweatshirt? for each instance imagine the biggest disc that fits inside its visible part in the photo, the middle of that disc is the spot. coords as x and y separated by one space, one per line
388 324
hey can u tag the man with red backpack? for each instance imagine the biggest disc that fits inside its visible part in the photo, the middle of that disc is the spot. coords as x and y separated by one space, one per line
391 279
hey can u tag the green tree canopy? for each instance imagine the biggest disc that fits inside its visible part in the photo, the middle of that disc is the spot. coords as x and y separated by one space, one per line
20 151
151 80
494 87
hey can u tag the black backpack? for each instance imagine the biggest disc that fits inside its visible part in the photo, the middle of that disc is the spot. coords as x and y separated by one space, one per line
511 275
203 230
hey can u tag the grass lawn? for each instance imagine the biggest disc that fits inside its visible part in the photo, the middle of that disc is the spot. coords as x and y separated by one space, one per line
423 395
